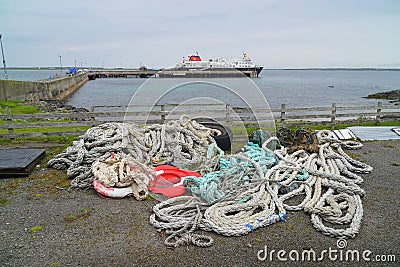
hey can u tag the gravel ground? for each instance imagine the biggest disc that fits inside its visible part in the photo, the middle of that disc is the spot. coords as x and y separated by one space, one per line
79 228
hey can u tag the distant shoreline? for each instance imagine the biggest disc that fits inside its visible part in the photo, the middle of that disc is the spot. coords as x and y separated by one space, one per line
350 69
328 69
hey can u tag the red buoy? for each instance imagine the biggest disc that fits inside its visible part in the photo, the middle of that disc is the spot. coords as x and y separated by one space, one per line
169 180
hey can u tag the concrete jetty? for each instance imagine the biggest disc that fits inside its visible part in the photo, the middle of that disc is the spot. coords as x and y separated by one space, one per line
41 90
174 73
124 73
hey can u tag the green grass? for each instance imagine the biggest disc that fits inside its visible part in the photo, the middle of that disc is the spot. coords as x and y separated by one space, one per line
17 107
4 201
47 130
83 213
42 139
34 120
35 229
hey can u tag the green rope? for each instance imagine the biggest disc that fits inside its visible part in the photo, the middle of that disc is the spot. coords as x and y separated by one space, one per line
233 173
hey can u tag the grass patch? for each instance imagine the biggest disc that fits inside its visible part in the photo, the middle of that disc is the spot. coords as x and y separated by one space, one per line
354 156
82 214
67 140
388 146
17 107
4 201
35 120
35 229
47 130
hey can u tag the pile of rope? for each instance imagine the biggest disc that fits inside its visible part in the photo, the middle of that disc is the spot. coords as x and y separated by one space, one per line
98 143
232 201
332 192
236 193
124 172
183 143
246 193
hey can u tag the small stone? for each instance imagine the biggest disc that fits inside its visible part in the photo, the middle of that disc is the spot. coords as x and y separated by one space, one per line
116 212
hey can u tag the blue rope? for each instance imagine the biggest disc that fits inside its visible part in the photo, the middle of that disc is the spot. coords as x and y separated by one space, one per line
211 186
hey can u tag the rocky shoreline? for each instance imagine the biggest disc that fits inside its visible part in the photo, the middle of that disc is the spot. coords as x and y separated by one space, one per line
392 96
58 106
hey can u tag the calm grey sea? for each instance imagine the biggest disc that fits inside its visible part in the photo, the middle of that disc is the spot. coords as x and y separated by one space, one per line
295 88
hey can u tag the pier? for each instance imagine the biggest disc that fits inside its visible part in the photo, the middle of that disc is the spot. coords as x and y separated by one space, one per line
172 73
41 90
124 73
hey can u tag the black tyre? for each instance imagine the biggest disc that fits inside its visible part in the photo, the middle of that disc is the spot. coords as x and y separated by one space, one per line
223 140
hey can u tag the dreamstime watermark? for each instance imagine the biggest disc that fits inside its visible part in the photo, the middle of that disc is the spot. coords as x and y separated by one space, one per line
340 253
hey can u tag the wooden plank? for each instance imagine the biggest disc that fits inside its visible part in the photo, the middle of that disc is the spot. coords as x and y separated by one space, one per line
23 135
50 125
48 116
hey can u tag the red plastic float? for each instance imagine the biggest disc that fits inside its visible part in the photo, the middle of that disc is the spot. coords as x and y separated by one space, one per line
113 192
169 180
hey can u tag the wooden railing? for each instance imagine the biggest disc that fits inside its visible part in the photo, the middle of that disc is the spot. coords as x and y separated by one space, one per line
259 117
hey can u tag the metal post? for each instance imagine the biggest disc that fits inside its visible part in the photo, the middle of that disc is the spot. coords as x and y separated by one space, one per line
4 60
60 66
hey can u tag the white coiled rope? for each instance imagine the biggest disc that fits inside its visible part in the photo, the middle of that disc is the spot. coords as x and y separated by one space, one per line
332 170
258 204
183 142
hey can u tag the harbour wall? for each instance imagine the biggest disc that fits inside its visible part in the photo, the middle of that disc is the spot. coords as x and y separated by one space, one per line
41 90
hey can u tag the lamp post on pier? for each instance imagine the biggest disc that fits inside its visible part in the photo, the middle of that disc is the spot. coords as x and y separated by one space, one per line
60 65
4 60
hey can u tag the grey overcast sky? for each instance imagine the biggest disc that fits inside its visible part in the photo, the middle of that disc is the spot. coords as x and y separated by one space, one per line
274 33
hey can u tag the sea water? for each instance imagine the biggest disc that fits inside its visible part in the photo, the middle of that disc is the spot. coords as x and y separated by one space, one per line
295 88
30 75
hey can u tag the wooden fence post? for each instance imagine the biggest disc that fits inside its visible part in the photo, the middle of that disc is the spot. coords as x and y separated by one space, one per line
92 117
227 113
162 108
333 116
9 122
378 113
283 114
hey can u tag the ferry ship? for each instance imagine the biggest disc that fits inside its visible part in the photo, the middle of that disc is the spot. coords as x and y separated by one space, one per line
195 63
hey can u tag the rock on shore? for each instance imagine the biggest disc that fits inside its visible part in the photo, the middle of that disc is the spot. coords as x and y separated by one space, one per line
392 96
58 106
